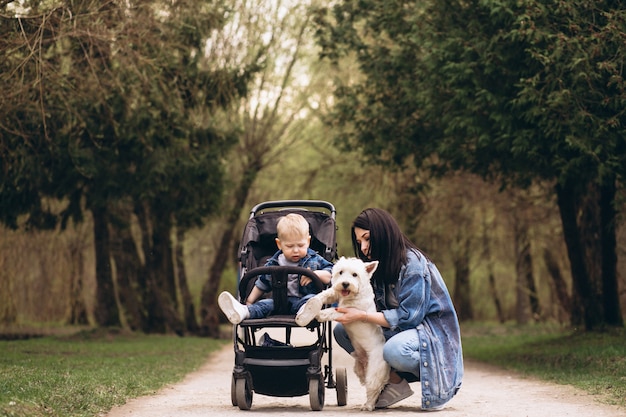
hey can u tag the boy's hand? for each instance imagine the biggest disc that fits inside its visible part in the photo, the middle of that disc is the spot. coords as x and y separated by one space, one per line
304 280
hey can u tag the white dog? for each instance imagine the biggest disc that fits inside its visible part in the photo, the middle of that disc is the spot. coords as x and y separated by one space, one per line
351 288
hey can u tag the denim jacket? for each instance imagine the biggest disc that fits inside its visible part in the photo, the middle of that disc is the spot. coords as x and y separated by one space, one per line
422 301
312 261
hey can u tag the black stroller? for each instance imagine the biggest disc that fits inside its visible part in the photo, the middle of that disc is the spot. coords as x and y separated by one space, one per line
265 365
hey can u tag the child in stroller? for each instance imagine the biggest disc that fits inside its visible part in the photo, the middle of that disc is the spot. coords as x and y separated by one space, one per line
293 240
304 365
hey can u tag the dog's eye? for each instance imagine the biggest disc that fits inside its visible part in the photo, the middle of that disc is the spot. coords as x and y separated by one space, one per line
354 274
341 272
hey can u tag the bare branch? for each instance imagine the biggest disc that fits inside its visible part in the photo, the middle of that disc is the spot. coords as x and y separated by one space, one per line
5 2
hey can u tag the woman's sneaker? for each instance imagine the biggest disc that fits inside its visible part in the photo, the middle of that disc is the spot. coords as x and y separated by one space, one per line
438 408
235 311
392 393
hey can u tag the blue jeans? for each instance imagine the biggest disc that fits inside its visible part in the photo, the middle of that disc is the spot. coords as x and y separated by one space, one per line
264 307
401 350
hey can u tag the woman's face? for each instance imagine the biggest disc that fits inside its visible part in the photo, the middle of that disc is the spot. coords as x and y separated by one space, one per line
362 237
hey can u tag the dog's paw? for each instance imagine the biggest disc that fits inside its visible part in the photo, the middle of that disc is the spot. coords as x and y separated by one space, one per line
328 314
367 407
308 311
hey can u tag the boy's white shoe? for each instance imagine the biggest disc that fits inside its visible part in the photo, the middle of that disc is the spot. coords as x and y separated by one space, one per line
235 311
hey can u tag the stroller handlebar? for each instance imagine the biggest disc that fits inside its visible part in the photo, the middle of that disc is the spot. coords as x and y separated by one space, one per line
279 276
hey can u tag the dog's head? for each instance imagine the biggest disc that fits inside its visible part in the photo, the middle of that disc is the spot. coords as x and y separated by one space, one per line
350 275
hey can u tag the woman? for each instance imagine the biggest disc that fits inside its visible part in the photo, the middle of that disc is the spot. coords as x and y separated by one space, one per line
415 310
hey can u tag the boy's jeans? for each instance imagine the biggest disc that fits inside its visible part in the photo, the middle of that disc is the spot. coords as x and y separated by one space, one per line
264 307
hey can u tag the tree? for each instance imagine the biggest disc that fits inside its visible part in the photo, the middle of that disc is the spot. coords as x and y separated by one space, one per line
519 91
109 104
270 120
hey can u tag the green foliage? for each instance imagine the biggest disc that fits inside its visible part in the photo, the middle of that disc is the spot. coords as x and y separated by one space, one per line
514 91
85 117
593 361
110 108
87 374
527 89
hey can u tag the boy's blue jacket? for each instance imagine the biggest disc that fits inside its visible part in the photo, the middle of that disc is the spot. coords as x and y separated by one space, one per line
312 261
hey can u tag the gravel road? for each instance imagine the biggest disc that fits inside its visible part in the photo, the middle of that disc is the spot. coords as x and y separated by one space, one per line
486 392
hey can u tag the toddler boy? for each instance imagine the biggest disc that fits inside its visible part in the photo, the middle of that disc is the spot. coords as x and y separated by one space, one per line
293 242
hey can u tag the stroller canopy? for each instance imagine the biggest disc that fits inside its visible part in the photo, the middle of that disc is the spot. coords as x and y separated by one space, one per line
258 240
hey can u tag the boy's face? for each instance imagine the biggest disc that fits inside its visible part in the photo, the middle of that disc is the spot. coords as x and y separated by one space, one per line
294 248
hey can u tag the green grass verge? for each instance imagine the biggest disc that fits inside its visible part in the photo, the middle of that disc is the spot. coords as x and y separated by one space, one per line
594 362
88 373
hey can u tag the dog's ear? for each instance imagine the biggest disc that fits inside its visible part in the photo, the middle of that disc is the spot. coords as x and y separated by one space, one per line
370 267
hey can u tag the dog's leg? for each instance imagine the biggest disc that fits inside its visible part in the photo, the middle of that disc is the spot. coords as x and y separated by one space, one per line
360 364
327 314
377 376
312 307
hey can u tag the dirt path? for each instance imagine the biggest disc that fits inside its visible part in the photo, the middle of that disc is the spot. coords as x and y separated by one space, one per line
486 392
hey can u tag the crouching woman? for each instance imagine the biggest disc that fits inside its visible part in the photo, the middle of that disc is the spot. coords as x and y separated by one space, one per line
423 341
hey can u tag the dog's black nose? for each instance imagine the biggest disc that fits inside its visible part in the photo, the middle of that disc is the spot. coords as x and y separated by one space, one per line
345 285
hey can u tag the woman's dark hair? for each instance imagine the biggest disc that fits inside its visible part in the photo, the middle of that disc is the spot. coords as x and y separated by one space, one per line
387 245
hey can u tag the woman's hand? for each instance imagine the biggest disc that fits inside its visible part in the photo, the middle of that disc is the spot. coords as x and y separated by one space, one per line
352 314
349 315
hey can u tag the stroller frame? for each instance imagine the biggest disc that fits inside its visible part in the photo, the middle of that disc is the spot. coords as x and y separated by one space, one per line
280 369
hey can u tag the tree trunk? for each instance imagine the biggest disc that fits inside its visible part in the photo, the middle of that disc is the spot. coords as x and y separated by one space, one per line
559 286
128 268
209 311
8 310
462 293
492 278
533 297
189 311
161 271
585 290
76 310
106 312
610 290
158 304
162 256
496 299
522 270
154 322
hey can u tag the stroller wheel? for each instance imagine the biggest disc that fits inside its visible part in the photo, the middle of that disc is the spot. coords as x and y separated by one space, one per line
316 394
233 391
243 394
342 387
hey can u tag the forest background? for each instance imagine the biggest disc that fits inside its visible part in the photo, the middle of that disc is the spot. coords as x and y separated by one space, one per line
136 136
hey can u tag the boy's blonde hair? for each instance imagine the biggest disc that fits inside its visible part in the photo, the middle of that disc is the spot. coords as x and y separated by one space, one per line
292 225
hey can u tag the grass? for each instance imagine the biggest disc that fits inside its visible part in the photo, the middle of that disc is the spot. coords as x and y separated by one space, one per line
88 373
594 362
